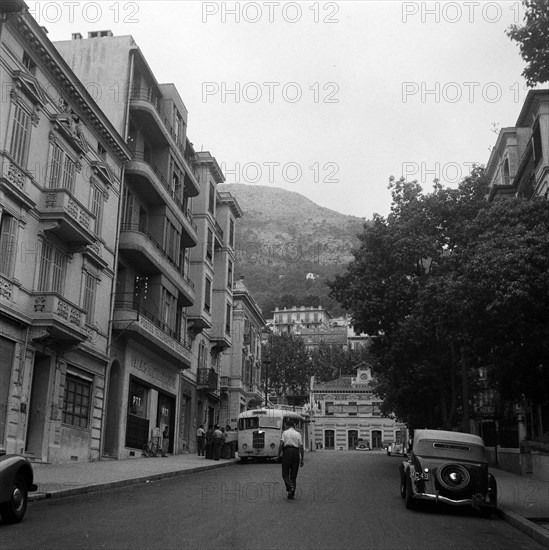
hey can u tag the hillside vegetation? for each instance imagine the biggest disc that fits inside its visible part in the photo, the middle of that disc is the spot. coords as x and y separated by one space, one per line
283 237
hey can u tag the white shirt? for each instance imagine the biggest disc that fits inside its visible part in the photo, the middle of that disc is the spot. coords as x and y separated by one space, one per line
291 438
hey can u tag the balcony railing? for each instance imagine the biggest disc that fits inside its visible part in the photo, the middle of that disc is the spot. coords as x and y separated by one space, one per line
159 247
206 376
218 231
142 312
49 309
142 157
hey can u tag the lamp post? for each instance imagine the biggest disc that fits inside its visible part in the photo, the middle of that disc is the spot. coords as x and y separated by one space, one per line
266 363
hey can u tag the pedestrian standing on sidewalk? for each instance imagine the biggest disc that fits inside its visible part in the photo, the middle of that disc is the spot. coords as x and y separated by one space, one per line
165 440
292 453
200 440
209 442
218 439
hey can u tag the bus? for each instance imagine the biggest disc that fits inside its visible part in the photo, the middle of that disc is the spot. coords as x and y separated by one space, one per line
260 431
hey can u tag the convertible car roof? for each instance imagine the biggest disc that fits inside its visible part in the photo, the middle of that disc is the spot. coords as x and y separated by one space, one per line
442 435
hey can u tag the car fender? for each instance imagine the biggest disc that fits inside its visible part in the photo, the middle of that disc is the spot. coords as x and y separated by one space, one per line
10 467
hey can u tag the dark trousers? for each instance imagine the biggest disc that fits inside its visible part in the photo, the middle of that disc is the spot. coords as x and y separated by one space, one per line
217 443
201 445
290 467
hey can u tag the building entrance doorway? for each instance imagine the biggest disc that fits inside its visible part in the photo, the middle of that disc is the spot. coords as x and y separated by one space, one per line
38 404
352 439
376 439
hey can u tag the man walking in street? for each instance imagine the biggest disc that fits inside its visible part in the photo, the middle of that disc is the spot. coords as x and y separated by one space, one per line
218 439
292 453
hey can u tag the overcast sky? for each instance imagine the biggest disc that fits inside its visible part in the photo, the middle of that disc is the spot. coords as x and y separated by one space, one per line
327 99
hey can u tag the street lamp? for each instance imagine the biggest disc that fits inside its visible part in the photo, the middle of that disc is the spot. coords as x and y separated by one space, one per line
266 363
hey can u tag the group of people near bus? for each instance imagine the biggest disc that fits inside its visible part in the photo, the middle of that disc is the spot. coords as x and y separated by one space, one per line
213 443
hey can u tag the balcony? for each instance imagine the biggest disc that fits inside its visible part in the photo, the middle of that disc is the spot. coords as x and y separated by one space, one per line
150 183
141 248
13 180
218 235
131 319
147 113
66 217
219 336
63 321
207 379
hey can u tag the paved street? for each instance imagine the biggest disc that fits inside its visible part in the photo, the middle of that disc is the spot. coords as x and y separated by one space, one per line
345 500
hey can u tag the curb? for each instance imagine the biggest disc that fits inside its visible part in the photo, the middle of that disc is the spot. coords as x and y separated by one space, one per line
96 487
539 534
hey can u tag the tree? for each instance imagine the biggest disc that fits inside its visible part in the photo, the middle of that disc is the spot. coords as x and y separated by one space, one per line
401 287
505 279
329 361
288 364
533 39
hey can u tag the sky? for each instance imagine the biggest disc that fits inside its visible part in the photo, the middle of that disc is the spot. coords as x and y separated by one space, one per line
327 99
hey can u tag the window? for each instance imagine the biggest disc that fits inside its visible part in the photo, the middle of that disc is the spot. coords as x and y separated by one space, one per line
63 170
97 205
231 233
536 138
53 264
8 244
90 286
352 408
209 245
101 151
127 215
230 275
171 242
228 314
20 135
329 408
76 405
169 310
207 294
211 204
29 64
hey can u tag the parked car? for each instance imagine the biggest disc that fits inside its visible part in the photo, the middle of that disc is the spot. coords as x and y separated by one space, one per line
396 449
16 480
448 467
362 445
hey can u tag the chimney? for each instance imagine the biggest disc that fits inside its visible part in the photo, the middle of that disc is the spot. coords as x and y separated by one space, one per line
76 36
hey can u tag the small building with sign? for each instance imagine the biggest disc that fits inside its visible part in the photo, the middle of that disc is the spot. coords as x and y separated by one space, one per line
345 411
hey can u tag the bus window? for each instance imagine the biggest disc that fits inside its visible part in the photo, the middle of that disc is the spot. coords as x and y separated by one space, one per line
270 422
248 423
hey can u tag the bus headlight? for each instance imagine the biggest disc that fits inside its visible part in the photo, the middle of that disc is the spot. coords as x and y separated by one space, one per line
273 445
244 445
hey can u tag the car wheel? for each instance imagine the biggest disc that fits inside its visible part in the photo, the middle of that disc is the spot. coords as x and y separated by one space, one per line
388 452
14 510
243 459
409 494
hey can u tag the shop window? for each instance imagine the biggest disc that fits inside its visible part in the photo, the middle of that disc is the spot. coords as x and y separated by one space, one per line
76 404
138 399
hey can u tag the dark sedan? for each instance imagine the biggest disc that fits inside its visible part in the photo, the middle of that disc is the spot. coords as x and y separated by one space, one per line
16 480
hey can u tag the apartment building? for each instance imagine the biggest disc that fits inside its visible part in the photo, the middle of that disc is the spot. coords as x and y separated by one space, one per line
212 263
242 376
346 409
519 162
169 230
61 164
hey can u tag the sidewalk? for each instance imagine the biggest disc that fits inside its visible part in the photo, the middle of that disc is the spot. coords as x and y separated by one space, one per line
60 480
522 501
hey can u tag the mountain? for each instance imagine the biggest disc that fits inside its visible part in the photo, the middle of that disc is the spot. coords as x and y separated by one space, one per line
288 247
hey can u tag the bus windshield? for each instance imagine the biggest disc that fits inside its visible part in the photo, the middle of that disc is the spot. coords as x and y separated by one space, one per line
250 423
270 422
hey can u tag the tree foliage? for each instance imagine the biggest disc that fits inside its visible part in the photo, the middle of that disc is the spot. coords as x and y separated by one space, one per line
533 39
452 283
